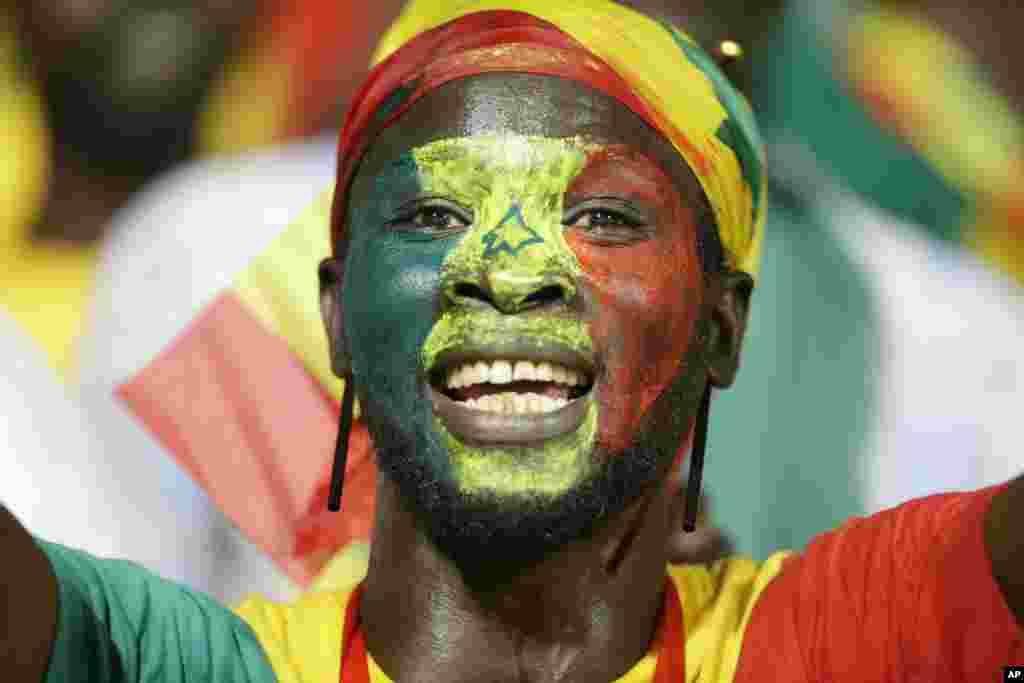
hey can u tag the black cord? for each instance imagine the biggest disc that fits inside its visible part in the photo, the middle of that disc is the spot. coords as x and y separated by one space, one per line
341 447
700 440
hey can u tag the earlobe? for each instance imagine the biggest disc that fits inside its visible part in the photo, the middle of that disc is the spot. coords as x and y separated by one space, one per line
331 273
729 301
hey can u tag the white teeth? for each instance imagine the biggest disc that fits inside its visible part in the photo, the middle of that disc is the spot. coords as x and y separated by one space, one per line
524 371
504 372
544 372
501 372
512 403
481 374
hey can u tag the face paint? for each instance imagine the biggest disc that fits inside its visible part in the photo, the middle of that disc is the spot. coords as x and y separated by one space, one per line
635 302
645 294
514 186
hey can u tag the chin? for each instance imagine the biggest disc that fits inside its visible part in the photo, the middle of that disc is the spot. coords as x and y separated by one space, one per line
492 529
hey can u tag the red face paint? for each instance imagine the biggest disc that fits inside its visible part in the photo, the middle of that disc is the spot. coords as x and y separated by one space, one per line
643 297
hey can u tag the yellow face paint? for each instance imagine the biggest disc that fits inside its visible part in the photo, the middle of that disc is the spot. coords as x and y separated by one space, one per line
515 188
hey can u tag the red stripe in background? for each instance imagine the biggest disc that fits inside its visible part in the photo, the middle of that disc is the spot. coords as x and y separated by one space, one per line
239 411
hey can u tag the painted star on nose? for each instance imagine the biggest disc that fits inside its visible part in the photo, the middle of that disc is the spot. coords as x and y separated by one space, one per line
498 240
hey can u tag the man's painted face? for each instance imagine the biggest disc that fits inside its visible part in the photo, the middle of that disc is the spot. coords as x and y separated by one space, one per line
515 305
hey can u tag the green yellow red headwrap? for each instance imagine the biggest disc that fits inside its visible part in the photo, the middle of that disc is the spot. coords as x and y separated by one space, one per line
653 68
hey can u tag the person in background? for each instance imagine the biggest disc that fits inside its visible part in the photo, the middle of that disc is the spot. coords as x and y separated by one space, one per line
105 95
101 96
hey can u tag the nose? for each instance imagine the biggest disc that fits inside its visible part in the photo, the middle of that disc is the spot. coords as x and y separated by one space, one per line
510 292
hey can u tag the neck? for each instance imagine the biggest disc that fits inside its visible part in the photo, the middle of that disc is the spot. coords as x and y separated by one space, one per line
587 613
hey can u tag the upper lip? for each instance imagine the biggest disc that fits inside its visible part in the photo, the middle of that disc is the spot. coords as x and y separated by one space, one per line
513 350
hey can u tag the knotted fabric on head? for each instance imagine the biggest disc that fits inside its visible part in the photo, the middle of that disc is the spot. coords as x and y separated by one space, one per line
652 68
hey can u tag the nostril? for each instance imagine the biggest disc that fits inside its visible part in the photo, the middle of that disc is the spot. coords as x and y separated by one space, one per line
467 290
545 295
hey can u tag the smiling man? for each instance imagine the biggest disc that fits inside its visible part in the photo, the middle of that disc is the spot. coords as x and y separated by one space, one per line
545 235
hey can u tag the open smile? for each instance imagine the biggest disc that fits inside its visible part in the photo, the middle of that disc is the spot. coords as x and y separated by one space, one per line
511 396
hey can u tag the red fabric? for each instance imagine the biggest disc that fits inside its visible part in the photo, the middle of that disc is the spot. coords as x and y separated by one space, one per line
462 48
670 640
671 666
264 462
354 665
905 595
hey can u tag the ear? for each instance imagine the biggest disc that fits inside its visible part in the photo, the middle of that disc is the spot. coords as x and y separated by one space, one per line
332 275
729 302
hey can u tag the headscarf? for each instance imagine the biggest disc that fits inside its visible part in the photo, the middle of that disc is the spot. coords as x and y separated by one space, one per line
652 68
244 396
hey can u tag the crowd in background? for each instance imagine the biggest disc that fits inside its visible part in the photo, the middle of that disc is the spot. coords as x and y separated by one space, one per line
155 149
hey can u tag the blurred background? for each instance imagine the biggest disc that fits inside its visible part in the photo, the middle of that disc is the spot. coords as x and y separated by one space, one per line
153 149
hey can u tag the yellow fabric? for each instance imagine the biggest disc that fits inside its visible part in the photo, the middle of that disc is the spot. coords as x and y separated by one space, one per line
24 166
44 288
303 640
651 60
248 106
280 287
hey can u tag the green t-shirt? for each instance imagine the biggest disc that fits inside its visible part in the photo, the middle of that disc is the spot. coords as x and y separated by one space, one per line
119 622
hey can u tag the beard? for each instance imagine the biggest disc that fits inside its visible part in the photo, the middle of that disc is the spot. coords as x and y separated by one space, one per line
493 538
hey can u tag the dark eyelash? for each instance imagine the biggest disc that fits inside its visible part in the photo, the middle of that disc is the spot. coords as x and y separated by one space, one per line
408 211
610 205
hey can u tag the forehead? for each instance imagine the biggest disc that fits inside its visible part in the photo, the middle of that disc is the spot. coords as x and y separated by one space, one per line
471 113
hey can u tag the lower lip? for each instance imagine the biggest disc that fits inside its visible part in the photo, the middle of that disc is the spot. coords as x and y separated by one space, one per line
480 427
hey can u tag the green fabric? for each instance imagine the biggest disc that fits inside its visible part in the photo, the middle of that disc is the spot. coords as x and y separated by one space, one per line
799 95
786 442
120 622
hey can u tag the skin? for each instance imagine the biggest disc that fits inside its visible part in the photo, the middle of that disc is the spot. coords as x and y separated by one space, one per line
657 329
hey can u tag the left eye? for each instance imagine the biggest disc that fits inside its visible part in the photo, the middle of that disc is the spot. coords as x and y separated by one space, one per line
604 225
591 218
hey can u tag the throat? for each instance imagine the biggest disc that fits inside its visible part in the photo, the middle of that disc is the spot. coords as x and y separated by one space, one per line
587 612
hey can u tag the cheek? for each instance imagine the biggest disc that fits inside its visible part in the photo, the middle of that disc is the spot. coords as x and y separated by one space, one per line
645 301
389 303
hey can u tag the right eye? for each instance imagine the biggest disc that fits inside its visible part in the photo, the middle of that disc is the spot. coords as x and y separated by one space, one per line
432 219
438 218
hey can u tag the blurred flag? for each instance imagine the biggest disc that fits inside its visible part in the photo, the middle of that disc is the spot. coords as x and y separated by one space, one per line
921 85
209 331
